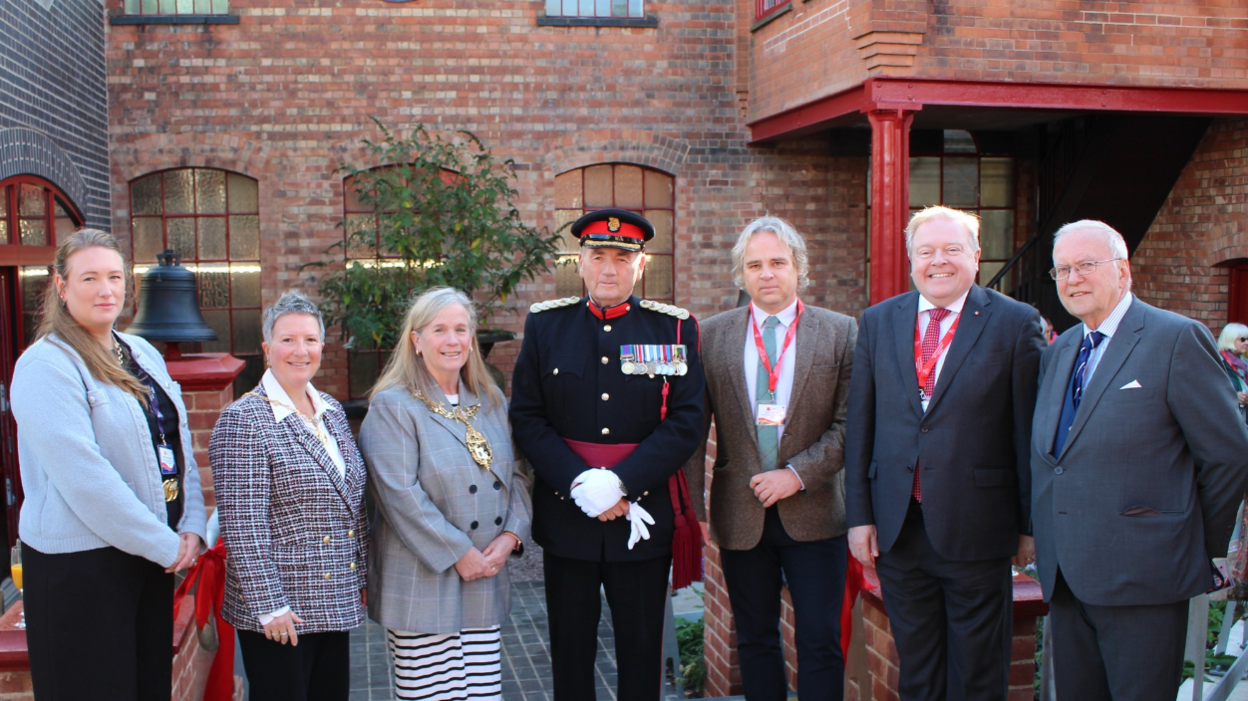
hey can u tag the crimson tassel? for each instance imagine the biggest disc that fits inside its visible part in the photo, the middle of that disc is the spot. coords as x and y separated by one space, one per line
686 536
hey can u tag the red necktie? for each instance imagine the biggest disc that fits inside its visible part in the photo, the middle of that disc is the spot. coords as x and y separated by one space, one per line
931 340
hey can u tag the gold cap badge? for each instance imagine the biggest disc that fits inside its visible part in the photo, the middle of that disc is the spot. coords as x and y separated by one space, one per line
613 224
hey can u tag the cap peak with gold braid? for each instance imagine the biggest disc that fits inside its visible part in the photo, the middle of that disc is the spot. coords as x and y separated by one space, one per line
553 304
663 308
613 228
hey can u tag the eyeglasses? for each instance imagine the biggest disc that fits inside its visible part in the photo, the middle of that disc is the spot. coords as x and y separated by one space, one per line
1241 339
1085 268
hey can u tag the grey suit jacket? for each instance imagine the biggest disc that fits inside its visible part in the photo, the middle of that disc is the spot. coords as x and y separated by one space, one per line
814 433
1146 488
433 505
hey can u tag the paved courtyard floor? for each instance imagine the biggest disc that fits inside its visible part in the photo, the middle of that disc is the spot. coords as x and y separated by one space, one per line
526 657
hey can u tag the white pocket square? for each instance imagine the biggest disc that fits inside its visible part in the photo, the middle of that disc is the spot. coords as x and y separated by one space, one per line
1133 384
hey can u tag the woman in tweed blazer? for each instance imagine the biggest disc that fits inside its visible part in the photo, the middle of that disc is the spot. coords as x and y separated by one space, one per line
289 482
453 505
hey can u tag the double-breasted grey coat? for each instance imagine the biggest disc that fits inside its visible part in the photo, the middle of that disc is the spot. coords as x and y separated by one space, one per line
433 505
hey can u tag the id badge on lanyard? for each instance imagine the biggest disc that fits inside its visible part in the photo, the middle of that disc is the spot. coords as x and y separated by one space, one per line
164 452
773 414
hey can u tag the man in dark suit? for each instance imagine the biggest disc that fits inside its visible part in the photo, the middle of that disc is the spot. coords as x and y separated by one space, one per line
1139 460
936 461
607 381
777 498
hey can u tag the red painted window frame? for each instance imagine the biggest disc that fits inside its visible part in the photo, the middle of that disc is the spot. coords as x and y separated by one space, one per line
761 11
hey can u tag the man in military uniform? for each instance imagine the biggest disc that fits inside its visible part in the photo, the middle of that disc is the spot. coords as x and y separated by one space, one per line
607 381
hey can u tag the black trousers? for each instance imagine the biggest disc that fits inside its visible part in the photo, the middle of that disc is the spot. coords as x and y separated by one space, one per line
637 595
815 574
1128 653
952 621
317 669
99 625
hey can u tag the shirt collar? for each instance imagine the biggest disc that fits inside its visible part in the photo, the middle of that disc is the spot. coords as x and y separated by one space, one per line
956 307
1110 325
274 390
786 315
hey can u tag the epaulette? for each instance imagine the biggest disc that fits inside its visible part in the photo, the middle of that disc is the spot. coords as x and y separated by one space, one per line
669 309
553 304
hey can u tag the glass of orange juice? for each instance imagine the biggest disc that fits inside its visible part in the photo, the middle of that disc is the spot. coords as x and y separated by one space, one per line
15 567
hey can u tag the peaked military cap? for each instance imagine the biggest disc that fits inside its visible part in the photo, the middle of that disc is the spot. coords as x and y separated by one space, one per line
613 228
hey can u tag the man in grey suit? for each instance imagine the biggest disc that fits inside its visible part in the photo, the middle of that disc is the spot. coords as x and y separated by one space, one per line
936 461
777 380
1139 459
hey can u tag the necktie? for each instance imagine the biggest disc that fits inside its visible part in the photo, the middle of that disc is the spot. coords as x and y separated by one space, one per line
767 435
931 341
1074 391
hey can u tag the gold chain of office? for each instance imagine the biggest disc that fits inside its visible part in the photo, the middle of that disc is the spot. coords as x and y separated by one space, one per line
478 445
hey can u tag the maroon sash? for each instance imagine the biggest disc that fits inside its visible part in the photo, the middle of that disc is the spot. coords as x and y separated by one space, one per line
687 534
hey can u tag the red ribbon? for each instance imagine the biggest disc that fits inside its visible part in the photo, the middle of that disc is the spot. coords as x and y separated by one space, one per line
207 577
773 374
921 369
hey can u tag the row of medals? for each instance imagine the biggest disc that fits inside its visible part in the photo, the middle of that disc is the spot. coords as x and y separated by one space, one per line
631 367
679 367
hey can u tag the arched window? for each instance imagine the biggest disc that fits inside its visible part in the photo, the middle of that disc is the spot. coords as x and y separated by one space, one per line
650 193
34 217
364 359
211 217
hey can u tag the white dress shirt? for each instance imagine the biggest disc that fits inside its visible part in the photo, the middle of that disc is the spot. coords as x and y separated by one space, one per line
946 323
1108 327
274 390
787 361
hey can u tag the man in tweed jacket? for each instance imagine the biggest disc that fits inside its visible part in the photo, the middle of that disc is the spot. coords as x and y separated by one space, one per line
777 501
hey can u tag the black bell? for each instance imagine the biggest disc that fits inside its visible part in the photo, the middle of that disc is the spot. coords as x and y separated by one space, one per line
169 307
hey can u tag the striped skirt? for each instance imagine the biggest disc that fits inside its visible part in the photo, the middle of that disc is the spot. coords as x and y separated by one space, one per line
447 667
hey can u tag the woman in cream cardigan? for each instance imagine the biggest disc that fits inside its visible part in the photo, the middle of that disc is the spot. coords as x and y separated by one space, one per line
453 505
113 504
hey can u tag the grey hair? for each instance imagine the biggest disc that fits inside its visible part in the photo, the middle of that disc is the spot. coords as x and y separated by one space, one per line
291 302
787 235
1113 239
968 221
1231 332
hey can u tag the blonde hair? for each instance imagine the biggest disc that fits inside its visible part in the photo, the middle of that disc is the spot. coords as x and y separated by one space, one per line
1230 333
406 369
968 221
56 318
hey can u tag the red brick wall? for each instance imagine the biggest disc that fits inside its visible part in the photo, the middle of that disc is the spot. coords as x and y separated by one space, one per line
822 46
285 96
1200 226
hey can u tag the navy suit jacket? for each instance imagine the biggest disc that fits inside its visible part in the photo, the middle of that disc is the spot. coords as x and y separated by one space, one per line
973 442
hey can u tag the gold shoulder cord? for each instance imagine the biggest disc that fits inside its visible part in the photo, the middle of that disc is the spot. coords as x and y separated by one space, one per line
478 445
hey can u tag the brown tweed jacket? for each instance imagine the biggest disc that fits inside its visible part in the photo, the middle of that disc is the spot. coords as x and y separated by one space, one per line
814 433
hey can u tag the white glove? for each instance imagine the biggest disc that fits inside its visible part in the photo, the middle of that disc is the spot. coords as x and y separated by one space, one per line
596 491
637 519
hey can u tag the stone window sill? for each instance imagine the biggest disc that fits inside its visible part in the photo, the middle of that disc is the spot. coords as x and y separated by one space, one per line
647 22
172 19
775 14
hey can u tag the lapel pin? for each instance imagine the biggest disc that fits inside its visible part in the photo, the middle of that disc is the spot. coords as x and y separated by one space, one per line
977 312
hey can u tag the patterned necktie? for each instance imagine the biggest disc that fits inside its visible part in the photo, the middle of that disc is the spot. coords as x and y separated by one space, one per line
931 341
768 444
1074 391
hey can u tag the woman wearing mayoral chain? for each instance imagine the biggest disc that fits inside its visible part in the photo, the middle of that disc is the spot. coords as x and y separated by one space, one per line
452 505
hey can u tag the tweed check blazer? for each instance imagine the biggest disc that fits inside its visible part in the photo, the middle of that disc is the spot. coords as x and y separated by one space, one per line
295 530
814 433
433 505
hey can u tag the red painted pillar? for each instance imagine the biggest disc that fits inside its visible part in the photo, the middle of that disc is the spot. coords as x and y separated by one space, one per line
890 201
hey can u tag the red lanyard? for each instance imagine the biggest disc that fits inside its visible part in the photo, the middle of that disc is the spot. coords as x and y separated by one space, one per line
925 371
773 374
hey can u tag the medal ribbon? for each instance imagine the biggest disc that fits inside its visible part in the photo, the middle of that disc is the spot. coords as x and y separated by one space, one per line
924 370
773 374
